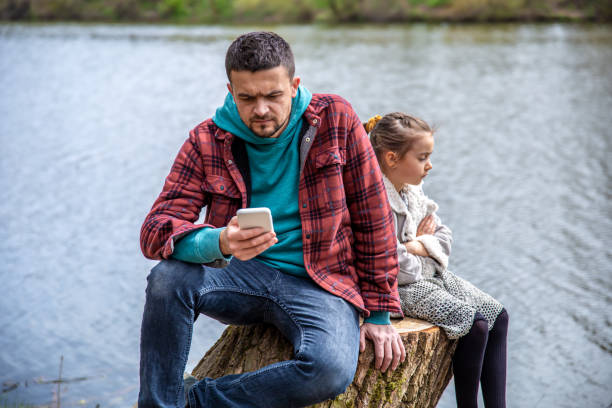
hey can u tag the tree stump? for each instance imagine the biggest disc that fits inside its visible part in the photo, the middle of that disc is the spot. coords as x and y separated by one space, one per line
418 382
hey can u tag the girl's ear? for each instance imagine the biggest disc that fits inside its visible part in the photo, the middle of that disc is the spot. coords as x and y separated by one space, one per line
390 159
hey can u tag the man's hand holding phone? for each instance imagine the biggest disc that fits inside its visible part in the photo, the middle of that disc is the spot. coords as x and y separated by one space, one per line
245 243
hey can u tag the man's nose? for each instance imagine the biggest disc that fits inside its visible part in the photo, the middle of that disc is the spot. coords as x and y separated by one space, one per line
261 108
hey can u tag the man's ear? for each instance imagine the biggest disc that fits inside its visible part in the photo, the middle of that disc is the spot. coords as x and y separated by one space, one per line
229 88
390 159
295 82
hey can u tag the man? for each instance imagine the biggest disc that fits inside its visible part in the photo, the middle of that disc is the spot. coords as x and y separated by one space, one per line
331 257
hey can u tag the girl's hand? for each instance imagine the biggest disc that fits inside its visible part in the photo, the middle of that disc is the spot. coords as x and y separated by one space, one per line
427 226
416 248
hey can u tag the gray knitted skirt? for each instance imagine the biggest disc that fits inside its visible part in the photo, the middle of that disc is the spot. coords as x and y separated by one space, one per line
448 301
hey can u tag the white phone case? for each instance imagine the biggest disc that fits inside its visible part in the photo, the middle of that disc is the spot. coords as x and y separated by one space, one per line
255 217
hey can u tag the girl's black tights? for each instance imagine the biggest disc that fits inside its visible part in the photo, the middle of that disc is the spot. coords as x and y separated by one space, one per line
480 356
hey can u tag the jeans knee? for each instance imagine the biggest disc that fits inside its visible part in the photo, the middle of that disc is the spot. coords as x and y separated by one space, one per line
166 278
330 375
339 376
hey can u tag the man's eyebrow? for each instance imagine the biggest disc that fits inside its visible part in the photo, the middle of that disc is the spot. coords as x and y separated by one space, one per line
248 95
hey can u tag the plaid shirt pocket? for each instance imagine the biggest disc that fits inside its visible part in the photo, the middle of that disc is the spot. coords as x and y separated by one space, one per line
225 199
329 164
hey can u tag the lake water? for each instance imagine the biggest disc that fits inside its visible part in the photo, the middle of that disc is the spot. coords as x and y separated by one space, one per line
91 117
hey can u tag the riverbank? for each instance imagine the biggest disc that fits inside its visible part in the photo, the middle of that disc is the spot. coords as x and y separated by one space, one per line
305 11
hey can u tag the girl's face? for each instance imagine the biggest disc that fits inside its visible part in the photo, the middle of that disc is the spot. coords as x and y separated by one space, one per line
413 166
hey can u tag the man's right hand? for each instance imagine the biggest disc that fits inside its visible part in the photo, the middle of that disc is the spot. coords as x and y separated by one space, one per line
244 244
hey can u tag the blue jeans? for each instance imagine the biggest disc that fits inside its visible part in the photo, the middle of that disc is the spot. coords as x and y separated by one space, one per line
323 328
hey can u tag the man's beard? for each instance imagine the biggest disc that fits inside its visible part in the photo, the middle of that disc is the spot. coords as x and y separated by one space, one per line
271 132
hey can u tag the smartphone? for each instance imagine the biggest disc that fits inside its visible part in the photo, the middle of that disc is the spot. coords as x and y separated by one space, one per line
255 217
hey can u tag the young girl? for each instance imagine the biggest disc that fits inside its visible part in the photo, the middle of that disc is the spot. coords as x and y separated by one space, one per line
428 290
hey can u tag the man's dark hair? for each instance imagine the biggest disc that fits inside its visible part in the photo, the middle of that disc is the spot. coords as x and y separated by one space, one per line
257 51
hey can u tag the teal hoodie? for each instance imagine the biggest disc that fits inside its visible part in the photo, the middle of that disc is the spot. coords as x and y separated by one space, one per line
274 164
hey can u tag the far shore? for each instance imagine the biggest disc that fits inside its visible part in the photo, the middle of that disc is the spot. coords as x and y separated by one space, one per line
305 11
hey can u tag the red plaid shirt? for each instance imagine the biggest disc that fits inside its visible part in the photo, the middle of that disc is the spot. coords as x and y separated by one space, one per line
348 234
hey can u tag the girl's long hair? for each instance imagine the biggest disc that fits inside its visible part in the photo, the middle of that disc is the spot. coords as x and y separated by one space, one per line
395 132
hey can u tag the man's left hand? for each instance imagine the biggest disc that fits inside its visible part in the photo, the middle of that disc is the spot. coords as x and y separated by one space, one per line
388 346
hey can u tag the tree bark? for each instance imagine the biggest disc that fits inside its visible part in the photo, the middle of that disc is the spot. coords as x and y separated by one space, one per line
418 382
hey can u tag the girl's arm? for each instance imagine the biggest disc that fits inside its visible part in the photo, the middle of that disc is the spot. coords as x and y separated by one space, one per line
410 266
437 243
416 247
